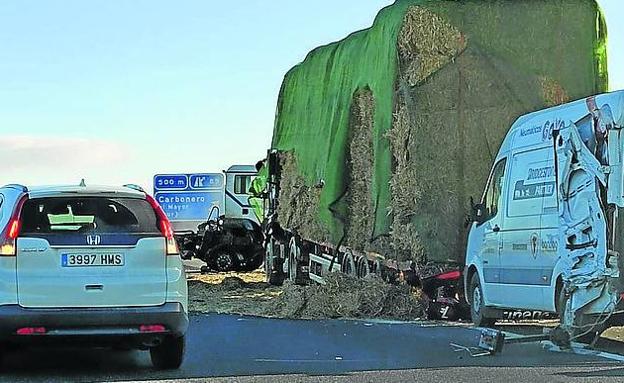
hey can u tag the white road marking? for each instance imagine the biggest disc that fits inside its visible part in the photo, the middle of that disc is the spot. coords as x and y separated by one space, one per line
579 349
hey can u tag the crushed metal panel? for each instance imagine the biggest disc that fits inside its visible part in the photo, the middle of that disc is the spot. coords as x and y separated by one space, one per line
589 162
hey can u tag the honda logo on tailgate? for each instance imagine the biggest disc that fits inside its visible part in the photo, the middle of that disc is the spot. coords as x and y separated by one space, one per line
93 239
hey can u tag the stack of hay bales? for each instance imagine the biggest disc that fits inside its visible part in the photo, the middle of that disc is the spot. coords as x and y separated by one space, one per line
402 121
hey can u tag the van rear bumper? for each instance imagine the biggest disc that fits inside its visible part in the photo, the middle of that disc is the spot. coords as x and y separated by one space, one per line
93 323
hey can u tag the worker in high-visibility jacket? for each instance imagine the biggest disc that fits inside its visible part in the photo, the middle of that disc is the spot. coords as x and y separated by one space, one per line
257 190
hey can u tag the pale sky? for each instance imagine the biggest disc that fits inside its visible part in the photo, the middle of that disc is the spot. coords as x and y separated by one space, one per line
115 91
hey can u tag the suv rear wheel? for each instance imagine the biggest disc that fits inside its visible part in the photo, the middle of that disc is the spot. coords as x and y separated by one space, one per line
477 305
169 354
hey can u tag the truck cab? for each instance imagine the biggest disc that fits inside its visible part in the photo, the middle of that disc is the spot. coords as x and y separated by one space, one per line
237 182
544 235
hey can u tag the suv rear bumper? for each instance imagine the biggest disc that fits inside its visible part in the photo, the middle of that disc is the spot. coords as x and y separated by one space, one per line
110 323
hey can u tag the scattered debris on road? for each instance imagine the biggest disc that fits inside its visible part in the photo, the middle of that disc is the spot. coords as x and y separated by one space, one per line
341 297
234 293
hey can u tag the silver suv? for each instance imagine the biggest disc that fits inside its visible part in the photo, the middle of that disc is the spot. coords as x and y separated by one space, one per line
98 265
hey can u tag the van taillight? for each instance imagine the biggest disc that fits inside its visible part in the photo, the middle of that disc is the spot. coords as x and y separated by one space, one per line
165 227
8 237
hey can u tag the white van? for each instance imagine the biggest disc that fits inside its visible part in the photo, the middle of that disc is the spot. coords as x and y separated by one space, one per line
545 232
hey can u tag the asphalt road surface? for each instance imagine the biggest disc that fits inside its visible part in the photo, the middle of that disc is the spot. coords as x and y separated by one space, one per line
230 345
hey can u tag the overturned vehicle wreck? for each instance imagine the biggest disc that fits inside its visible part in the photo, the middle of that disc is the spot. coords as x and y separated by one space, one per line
225 244
547 233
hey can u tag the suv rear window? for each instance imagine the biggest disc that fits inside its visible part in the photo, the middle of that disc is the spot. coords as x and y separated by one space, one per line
92 215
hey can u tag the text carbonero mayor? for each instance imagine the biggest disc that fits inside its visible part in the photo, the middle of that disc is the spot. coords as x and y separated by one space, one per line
181 199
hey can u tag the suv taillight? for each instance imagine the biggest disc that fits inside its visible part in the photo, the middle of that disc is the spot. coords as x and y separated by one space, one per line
8 237
165 227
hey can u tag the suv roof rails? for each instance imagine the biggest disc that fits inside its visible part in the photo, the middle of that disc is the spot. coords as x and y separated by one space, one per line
16 186
134 187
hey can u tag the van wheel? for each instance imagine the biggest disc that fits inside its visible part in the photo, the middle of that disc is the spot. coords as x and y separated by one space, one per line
477 305
169 354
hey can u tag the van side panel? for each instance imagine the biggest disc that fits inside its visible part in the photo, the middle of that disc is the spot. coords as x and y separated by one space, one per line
527 270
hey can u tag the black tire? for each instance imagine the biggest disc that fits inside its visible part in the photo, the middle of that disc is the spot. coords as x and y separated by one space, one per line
225 261
274 276
377 268
169 354
348 264
477 304
254 263
362 267
293 263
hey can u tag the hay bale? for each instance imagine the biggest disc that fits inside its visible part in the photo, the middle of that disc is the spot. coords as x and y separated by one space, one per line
359 222
445 133
426 43
290 303
298 203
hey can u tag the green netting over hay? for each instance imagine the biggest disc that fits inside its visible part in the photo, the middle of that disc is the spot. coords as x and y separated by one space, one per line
520 55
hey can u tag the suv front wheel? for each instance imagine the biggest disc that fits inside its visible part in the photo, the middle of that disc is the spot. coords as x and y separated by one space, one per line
169 354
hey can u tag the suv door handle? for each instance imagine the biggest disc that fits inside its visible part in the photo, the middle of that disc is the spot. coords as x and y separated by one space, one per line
496 229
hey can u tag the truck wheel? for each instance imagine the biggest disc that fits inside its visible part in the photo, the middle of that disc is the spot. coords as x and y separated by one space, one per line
274 276
477 305
254 263
293 263
169 354
224 261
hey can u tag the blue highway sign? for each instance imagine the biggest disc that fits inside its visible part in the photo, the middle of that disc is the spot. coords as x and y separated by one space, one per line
189 197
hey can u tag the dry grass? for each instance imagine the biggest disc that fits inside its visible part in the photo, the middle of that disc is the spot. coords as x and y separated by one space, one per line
359 223
552 92
231 293
343 296
426 43
298 203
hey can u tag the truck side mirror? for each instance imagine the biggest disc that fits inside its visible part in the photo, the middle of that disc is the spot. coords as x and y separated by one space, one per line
273 162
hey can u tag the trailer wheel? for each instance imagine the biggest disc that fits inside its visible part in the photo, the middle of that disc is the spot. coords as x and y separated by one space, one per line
362 267
293 261
477 305
348 264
